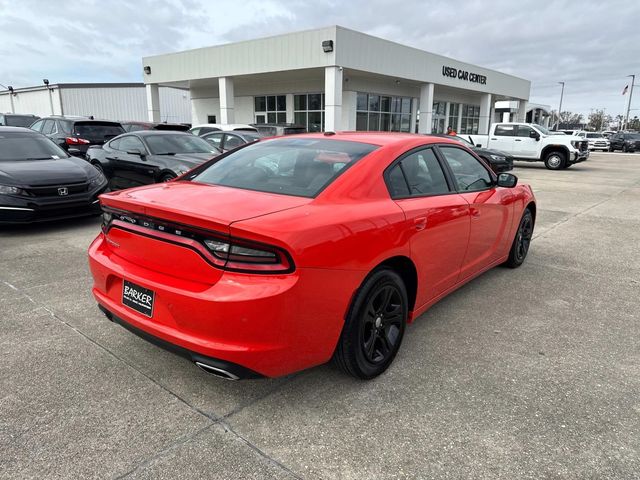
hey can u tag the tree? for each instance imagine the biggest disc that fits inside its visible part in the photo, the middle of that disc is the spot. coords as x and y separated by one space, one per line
567 118
634 123
598 120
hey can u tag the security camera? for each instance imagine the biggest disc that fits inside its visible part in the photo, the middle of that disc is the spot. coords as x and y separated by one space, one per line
45 81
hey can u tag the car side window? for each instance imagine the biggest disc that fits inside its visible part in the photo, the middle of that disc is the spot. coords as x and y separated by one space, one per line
470 174
418 174
48 127
232 141
505 130
524 131
37 126
214 139
131 143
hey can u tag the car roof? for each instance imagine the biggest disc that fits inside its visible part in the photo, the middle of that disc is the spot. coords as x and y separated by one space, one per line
78 119
226 126
18 130
375 138
146 133
7 114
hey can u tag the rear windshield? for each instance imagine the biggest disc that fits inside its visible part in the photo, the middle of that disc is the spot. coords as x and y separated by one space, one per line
594 135
21 146
19 120
97 131
301 167
173 127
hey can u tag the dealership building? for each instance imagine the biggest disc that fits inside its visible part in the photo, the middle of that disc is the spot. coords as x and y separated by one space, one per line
333 79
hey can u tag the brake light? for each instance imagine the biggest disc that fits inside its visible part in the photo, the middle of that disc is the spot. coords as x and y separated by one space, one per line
245 256
222 251
76 141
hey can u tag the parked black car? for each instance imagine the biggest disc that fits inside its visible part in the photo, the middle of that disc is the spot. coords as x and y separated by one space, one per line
278 129
627 142
149 156
77 134
17 119
498 160
138 126
40 181
226 141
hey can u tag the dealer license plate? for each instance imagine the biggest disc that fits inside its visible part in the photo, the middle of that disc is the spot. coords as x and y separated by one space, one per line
138 298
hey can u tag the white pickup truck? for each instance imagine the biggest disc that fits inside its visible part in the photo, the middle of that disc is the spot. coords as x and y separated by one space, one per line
534 143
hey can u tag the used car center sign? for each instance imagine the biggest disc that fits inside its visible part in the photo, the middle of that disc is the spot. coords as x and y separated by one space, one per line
463 75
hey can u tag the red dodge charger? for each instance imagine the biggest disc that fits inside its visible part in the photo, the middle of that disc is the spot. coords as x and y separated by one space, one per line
289 252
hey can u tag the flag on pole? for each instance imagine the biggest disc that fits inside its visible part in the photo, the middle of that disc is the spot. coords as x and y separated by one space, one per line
624 92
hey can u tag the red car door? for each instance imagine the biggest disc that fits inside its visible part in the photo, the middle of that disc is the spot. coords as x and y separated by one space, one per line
491 209
436 217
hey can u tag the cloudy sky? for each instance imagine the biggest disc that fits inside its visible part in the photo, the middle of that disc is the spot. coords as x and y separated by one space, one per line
590 45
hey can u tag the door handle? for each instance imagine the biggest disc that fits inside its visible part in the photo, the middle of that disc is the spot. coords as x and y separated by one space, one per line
493 138
475 213
420 223
518 140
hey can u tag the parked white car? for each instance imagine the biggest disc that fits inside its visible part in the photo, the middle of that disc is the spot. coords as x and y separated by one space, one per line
205 128
597 141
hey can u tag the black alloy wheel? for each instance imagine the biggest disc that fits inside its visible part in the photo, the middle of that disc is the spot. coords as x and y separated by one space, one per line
374 327
522 241
382 323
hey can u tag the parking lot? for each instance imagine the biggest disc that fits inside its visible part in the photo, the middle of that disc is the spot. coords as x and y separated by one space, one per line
526 373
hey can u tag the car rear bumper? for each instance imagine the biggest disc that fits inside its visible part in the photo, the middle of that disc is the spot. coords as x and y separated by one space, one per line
16 210
261 325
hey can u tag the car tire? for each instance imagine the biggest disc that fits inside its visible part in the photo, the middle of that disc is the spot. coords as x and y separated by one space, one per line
374 327
522 240
167 177
555 160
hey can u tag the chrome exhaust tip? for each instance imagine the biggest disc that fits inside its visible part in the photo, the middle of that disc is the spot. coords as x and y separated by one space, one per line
218 372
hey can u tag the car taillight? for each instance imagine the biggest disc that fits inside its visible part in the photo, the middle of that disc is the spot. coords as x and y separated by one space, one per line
76 141
244 256
222 251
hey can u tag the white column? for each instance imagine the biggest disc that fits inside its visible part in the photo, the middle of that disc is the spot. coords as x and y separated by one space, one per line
227 113
459 127
13 108
426 108
447 123
332 99
414 115
290 114
522 111
349 100
485 114
506 117
153 102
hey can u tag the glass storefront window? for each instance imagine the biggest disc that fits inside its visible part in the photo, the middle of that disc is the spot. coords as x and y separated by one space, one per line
270 108
470 119
309 111
383 113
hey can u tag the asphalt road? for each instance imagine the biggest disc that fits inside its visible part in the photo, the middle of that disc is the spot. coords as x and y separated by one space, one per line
527 373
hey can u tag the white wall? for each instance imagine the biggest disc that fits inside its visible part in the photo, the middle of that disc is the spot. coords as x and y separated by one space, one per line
106 102
125 103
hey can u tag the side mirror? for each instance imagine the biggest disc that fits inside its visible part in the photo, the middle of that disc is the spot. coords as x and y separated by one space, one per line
136 151
534 134
507 180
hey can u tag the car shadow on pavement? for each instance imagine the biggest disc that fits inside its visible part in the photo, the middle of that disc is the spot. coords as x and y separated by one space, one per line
48 228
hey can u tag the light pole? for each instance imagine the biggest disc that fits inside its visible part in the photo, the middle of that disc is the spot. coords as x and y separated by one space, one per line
626 121
560 107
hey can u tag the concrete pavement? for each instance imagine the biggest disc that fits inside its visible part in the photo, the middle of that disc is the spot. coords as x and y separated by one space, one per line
527 373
